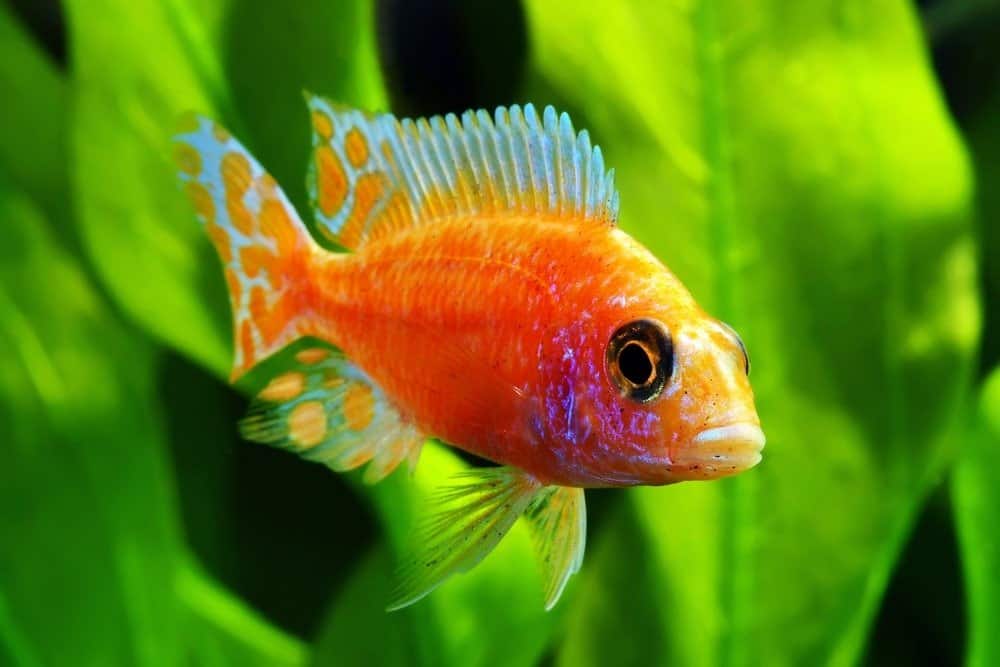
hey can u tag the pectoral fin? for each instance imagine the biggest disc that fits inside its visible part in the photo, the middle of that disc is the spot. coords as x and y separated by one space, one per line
326 409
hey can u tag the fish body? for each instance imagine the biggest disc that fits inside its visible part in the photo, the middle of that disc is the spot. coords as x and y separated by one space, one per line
487 299
497 331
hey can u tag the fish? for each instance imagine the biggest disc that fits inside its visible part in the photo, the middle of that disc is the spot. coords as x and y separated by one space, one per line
468 282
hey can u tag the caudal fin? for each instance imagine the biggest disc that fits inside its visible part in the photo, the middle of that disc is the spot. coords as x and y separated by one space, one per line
263 245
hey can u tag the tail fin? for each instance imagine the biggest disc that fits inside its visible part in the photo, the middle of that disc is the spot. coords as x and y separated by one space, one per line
263 244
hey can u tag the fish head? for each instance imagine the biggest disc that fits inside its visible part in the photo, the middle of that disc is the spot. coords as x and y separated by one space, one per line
658 390
681 385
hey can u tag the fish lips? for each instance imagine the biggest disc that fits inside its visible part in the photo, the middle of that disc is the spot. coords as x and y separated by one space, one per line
730 448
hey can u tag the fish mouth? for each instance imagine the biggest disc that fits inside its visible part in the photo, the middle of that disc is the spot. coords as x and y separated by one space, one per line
727 449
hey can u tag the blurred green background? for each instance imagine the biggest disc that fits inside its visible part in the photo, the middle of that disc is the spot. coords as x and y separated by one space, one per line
823 175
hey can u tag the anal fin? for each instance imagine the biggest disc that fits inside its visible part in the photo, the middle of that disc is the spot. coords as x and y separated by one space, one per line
558 517
325 409
468 520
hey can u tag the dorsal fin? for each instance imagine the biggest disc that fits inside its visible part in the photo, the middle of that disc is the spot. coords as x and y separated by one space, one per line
372 174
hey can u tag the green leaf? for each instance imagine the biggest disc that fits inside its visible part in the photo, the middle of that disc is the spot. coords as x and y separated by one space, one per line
131 85
86 499
33 135
157 264
976 495
91 564
794 165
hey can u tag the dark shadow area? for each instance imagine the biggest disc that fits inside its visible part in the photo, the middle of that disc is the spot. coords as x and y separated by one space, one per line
441 56
259 519
45 20
922 619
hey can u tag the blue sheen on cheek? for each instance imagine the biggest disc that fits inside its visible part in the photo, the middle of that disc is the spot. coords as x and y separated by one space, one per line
562 401
536 426
624 427
644 424
579 417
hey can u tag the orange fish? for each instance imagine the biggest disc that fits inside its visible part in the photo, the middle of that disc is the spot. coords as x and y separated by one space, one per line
486 299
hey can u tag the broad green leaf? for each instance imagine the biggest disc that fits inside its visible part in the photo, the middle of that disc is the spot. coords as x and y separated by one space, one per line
33 132
223 59
87 529
130 86
976 494
794 165
93 568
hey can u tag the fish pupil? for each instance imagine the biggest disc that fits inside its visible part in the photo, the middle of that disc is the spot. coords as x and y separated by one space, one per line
635 363
640 359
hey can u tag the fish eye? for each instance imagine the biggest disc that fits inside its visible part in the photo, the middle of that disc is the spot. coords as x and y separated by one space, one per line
640 359
739 343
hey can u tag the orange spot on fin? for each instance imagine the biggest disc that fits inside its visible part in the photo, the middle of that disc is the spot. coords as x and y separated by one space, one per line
331 181
276 224
202 201
187 158
307 424
322 125
312 355
359 407
327 410
356 147
284 387
239 215
367 193
235 172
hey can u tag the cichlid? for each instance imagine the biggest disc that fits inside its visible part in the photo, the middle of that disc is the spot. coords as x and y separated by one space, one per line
486 299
